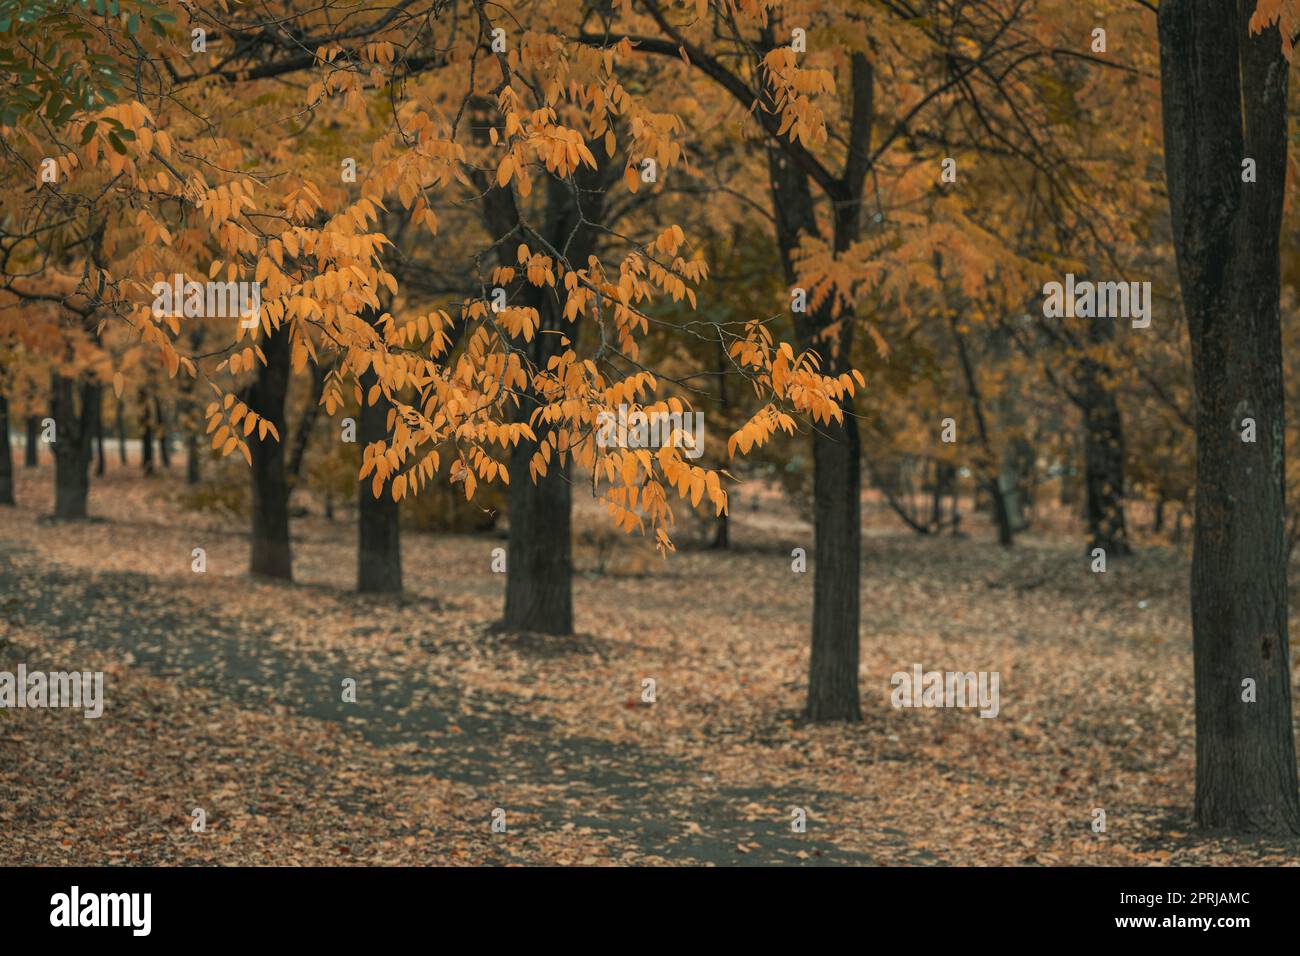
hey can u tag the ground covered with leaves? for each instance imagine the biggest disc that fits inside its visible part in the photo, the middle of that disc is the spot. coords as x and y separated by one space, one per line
224 693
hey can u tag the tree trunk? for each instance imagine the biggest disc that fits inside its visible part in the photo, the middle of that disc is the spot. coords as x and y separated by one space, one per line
270 556
6 455
837 470
1103 450
379 545
945 485
990 480
146 434
164 442
100 465
33 438
539 552
1104 467
121 431
837 529
74 431
721 532
1224 98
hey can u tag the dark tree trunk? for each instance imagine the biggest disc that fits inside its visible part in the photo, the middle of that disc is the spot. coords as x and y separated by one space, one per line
837 527
1104 465
991 480
73 435
379 545
539 555
1103 450
6 455
945 485
33 437
1224 98
837 469
164 443
146 434
539 552
121 431
721 532
270 556
100 465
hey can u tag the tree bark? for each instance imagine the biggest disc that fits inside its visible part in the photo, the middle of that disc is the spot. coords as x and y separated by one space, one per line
121 431
100 464
837 471
164 442
6 455
539 551
74 431
271 556
33 438
379 545
990 480
1104 472
1224 98
1103 450
146 434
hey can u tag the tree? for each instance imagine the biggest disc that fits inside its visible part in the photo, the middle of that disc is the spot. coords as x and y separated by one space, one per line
6 454
1225 99
271 556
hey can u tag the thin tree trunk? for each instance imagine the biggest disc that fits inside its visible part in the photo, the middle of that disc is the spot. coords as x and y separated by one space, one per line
146 434
1104 464
721 532
30 459
164 442
6 455
379 544
121 431
945 485
1006 535
1103 434
1224 98
100 466
74 431
270 556
837 468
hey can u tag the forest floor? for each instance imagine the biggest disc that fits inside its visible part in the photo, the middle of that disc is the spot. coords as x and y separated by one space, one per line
224 693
